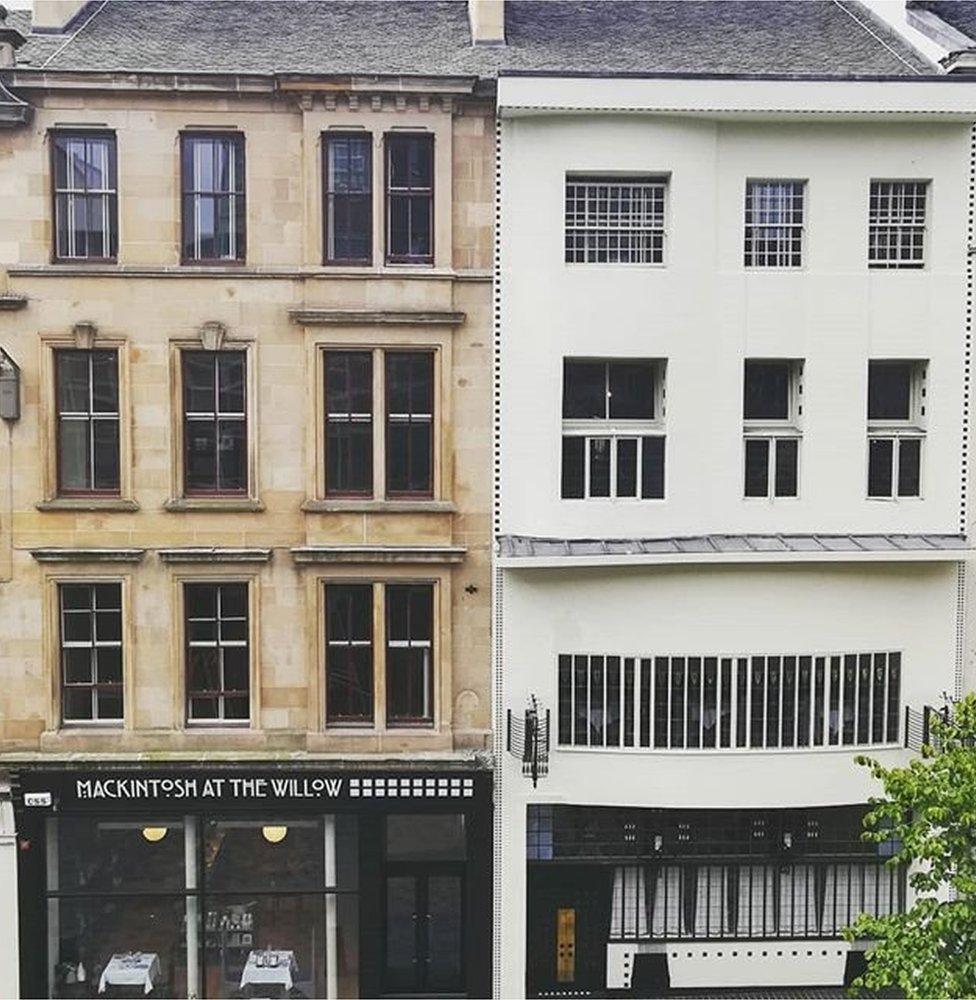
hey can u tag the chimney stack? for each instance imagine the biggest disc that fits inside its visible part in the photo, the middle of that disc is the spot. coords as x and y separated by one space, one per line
54 16
487 20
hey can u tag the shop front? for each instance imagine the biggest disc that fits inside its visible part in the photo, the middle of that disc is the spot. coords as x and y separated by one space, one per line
254 882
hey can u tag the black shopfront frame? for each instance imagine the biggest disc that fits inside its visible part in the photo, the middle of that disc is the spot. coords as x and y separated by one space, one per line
139 794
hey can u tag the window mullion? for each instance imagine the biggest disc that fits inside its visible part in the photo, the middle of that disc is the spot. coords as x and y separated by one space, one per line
379 423
379 719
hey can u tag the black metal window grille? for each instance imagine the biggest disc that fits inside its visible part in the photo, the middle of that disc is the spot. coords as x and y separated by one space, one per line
774 223
615 220
896 224
724 702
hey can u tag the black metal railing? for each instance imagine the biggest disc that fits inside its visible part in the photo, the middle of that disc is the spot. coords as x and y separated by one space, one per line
716 900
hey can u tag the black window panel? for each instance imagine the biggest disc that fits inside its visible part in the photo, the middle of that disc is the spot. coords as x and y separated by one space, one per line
349 652
217 652
741 700
693 702
661 695
584 390
894 696
788 719
409 653
863 698
85 196
348 185
349 423
87 395
597 715
909 466
652 468
631 390
880 454
787 454
628 702
758 695
725 704
850 687
90 641
773 681
574 449
677 701
212 168
627 467
767 390
409 423
757 467
565 700
613 701
599 466
878 707
581 675
818 701
834 721
214 422
409 198
803 705
890 390
647 681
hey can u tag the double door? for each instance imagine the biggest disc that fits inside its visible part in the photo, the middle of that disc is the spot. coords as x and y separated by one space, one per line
424 929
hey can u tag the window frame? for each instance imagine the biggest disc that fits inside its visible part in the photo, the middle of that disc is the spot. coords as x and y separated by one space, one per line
93 491
327 137
773 431
389 138
239 138
616 429
439 665
915 427
657 181
62 644
751 228
182 690
899 264
317 487
96 133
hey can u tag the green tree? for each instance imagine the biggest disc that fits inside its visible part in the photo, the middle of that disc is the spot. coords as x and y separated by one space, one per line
929 811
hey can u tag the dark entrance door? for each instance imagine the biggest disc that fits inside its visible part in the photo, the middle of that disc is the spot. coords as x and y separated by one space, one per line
424 929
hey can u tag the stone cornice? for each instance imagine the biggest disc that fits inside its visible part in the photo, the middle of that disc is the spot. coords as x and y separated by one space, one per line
317 554
78 555
375 317
215 555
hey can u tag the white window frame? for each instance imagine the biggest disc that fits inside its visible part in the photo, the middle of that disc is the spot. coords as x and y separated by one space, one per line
783 252
587 226
914 428
775 431
895 225
617 430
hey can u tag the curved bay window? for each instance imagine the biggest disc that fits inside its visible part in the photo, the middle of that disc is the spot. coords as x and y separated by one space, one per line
214 906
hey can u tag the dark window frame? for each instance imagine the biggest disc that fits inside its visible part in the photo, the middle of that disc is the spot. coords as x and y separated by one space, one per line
219 644
54 135
93 491
431 422
327 138
238 138
368 719
95 686
244 491
389 193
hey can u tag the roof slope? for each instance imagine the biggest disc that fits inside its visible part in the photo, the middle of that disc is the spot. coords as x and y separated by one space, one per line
431 37
960 14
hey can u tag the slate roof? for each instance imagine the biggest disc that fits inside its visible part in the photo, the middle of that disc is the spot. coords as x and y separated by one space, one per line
431 37
528 547
960 14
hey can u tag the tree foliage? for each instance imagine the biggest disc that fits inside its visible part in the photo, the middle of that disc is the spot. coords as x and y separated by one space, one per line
929 811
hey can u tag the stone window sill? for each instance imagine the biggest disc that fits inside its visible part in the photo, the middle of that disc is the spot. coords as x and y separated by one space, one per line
339 506
107 504
214 504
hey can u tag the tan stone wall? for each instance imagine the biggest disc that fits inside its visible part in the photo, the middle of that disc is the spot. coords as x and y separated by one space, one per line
149 312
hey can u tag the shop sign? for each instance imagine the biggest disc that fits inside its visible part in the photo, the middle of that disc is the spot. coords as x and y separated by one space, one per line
242 789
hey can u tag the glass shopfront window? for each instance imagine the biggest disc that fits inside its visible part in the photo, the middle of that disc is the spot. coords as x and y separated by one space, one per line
203 906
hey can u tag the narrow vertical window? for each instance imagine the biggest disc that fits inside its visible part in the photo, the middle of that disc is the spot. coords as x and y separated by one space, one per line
774 223
90 652
613 430
409 424
214 422
771 409
896 428
86 222
896 224
349 653
213 197
217 652
348 423
409 654
348 184
410 199
615 220
87 399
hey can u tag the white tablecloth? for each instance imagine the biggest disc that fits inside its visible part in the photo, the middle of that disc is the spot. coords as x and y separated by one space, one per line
140 968
274 967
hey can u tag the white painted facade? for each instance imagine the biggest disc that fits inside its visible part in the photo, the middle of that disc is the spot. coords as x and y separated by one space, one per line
703 313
